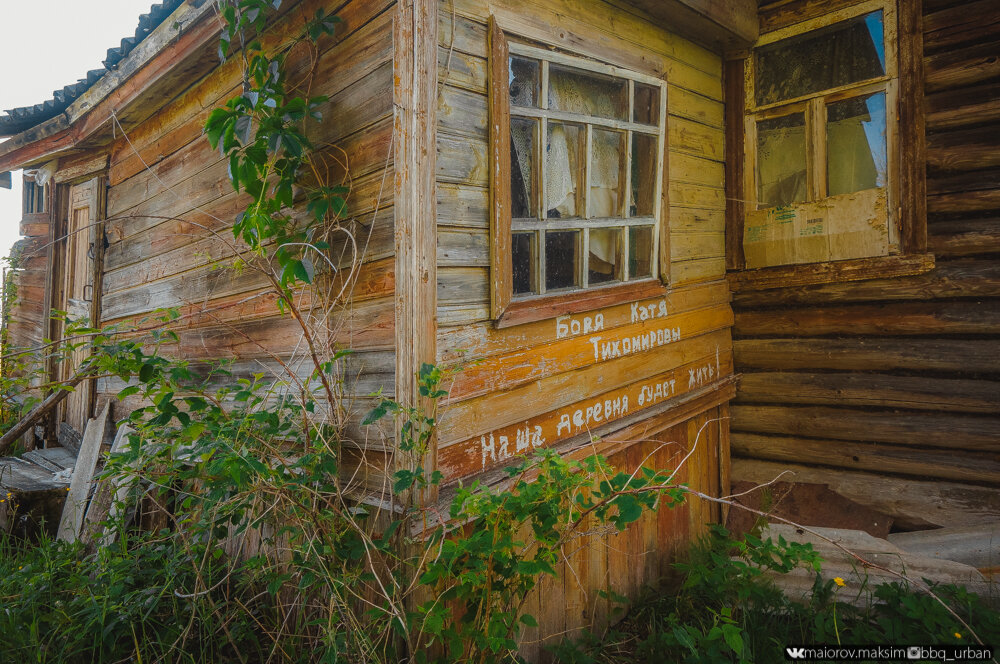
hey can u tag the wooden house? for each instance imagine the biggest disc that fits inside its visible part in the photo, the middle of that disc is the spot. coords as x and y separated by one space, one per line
567 201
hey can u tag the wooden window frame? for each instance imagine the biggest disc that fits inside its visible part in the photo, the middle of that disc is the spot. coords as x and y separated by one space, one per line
506 309
906 186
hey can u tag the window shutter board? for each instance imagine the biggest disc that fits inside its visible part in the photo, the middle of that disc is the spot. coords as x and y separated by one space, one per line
501 286
912 141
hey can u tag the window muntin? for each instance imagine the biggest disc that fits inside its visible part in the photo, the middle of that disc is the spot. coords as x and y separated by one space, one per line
585 172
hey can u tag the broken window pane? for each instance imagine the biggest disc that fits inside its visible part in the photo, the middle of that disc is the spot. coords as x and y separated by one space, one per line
564 170
640 252
855 144
781 160
523 256
562 259
603 263
587 93
843 53
525 82
522 155
606 172
643 175
647 104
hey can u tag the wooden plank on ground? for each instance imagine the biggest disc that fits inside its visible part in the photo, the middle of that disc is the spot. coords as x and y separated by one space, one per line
912 503
108 495
83 474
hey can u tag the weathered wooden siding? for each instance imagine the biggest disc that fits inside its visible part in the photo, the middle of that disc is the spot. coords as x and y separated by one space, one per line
171 208
888 390
531 380
26 323
626 562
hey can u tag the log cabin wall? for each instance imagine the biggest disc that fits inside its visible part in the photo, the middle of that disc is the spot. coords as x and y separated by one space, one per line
887 390
171 206
541 382
26 323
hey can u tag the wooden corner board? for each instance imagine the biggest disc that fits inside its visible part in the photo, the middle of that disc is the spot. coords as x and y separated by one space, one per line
861 269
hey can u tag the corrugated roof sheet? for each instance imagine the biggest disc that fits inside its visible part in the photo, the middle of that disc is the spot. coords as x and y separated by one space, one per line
17 120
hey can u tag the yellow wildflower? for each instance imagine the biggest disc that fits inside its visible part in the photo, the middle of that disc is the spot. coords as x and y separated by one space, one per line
958 635
839 581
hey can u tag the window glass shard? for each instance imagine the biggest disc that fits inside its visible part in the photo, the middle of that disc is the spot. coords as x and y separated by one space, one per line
562 259
781 160
606 172
525 82
523 202
577 91
855 144
846 52
604 255
564 170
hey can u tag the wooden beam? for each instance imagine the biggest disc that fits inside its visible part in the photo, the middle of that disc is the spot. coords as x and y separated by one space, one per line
415 98
720 24
912 204
912 503
83 473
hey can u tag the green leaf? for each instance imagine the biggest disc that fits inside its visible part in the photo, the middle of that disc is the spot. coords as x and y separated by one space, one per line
146 372
529 620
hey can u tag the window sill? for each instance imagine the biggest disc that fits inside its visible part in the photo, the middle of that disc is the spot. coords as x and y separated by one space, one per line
823 273
543 307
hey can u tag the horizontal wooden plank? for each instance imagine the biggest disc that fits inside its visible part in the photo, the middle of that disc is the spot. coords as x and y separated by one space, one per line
870 354
461 70
463 206
693 106
597 30
963 150
970 22
944 430
474 342
952 70
965 106
901 318
685 194
527 364
472 417
695 139
463 285
698 221
697 270
501 445
687 246
695 170
834 272
912 503
458 247
877 458
462 160
949 279
462 112
964 238
871 390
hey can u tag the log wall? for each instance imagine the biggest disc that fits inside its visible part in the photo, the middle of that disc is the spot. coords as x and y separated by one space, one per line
171 206
888 390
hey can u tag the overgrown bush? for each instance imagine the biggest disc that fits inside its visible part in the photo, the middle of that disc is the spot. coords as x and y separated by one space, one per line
726 609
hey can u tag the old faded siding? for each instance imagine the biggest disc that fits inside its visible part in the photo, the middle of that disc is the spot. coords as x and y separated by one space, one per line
888 390
26 323
531 379
171 207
